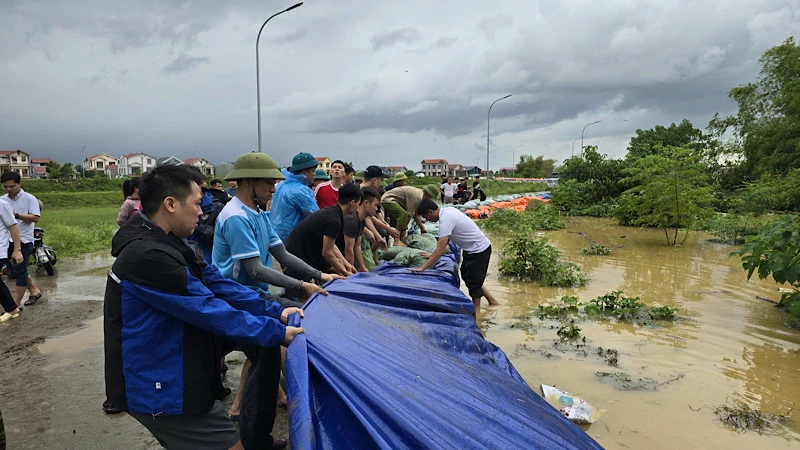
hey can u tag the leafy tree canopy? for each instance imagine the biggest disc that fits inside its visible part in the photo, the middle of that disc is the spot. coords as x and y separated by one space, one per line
767 124
530 167
670 191
647 142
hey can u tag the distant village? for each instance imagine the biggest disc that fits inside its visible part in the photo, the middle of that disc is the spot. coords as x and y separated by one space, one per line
133 164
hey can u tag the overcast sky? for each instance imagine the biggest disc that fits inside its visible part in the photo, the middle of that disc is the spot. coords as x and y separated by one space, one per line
374 82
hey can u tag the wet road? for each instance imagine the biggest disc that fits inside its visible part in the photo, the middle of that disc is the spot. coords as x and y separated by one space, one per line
51 381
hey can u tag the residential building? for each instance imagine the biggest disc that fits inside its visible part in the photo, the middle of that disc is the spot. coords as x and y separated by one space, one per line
455 170
201 163
391 171
168 160
15 161
135 164
471 171
112 171
506 170
39 168
100 163
434 167
324 163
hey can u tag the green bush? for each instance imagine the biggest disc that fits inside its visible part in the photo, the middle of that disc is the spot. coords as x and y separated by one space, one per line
596 250
530 258
771 192
734 228
775 252
509 221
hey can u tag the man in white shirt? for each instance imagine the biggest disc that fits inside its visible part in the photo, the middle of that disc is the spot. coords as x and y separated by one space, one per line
9 236
26 211
448 190
475 246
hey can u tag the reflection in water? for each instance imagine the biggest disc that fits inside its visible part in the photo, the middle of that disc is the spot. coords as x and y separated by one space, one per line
730 345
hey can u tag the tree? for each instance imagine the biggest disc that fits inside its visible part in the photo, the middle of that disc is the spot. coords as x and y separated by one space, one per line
647 142
52 169
530 167
670 191
767 124
66 172
776 251
409 173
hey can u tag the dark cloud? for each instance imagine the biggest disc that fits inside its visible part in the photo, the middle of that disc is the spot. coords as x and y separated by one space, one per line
183 63
396 36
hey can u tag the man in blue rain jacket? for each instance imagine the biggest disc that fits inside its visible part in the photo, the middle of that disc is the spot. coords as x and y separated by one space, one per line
293 200
164 313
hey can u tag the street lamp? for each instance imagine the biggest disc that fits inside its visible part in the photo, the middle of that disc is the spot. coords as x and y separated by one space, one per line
83 163
513 160
258 76
573 145
584 129
488 116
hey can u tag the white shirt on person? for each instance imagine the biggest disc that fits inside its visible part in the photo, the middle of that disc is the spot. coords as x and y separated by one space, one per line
449 189
24 203
462 230
6 220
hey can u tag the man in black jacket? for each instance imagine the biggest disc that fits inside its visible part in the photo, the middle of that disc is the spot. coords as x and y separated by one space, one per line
164 310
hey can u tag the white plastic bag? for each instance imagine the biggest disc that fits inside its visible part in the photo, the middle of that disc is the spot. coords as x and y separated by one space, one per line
573 408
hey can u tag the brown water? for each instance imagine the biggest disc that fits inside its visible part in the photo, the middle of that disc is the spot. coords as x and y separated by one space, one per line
728 345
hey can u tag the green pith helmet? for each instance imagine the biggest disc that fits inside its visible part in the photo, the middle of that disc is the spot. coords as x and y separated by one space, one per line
254 165
359 175
432 190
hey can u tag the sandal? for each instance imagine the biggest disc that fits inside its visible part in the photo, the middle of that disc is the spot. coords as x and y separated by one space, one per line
32 299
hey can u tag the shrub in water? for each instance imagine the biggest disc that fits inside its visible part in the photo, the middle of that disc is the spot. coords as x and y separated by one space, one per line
534 259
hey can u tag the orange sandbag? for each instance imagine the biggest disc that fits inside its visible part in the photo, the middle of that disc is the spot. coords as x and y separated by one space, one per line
520 207
473 213
485 209
505 205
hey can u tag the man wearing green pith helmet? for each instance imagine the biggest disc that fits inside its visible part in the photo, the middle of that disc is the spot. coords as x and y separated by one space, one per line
401 204
244 241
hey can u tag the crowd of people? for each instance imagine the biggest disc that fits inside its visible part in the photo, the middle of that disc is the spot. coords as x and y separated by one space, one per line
196 270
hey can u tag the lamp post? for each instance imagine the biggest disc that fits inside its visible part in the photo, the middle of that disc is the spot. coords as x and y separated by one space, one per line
488 116
573 145
258 74
584 129
83 163
513 160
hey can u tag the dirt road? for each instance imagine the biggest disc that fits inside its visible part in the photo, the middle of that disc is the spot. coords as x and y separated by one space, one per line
51 367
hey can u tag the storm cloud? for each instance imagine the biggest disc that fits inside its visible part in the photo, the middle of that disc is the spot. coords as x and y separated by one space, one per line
372 82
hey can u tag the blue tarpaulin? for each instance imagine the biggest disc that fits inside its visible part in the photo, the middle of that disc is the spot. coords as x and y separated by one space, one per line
394 359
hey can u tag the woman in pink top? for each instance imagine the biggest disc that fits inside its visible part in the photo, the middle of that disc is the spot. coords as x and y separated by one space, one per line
132 205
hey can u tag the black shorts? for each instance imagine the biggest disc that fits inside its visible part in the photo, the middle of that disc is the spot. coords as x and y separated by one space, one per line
20 270
473 271
212 430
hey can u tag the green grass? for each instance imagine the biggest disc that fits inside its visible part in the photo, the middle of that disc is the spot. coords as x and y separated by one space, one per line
64 200
77 230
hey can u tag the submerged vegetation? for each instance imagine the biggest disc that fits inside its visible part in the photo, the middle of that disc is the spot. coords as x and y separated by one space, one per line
612 305
535 219
742 418
533 259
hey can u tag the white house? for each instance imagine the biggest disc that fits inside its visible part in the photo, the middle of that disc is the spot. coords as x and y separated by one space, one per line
100 162
434 167
206 167
135 164
168 160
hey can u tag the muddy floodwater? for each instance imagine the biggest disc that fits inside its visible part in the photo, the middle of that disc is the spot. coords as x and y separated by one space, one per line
726 346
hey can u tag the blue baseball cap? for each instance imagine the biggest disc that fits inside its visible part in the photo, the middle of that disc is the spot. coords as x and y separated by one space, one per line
303 161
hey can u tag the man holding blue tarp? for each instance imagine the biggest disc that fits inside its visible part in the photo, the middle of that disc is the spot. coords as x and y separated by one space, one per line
475 246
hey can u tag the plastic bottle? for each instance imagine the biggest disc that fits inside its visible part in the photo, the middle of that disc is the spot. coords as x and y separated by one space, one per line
566 400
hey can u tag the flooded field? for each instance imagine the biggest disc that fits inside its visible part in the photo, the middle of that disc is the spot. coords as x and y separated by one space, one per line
727 346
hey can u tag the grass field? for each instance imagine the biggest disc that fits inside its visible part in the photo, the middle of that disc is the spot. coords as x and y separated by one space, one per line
75 230
495 187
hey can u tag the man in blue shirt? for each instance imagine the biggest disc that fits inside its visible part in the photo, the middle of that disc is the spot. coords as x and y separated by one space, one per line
293 200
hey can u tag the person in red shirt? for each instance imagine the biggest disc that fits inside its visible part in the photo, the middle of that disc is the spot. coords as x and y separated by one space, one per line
327 194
